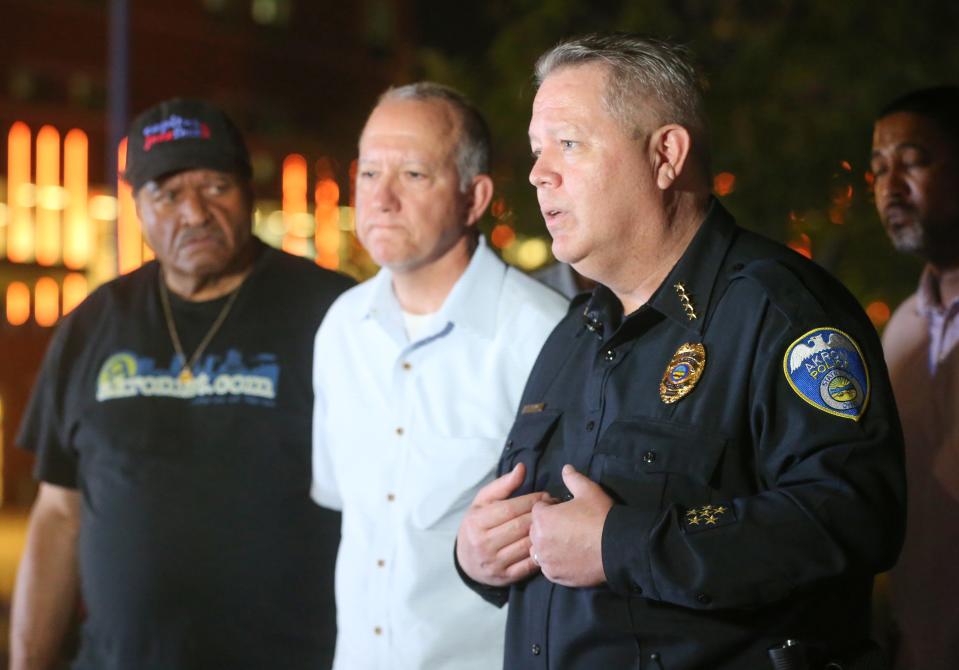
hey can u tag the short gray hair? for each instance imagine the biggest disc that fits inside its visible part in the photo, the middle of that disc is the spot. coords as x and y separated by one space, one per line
639 67
472 153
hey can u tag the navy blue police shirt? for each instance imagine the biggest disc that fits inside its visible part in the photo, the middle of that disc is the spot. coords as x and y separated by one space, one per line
199 545
743 423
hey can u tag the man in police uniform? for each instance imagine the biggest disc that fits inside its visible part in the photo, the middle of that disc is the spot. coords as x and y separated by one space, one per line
707 461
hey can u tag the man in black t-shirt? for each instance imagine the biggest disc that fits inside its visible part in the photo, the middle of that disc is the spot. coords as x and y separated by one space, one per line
171 424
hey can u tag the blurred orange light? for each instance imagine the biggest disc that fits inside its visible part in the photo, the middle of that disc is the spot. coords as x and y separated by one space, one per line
20 225
498 208
878 312
724 183
46 301
129 237
845 166
802 245
294 202
77 229
326 198
18 303
502 236
75 289
48 181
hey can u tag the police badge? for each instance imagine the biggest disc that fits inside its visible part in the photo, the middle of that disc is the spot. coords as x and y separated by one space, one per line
825 368
683 372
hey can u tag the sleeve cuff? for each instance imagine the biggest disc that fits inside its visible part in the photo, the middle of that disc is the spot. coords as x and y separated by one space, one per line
626 551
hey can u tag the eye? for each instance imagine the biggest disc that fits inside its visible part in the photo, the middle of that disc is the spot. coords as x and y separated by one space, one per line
568 144
415 175
218 188
164 197
366 174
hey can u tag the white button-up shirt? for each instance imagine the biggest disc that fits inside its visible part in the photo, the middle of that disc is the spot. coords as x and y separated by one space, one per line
405 433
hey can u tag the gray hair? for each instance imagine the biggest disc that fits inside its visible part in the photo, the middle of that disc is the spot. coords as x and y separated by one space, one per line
472 153
639 67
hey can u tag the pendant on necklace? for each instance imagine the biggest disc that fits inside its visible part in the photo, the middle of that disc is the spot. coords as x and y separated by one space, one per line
186 376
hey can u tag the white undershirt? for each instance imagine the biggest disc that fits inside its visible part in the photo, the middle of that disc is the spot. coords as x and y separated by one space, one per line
416 325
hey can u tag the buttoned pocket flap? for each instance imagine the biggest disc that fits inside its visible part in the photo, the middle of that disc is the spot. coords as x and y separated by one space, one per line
532 430
651 446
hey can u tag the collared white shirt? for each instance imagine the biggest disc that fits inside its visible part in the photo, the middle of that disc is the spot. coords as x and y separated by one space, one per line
405 433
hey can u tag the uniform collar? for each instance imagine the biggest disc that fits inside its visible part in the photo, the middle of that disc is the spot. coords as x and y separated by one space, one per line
696 271
471 304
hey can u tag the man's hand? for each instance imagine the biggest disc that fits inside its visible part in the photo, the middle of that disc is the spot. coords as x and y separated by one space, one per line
493 545
567 537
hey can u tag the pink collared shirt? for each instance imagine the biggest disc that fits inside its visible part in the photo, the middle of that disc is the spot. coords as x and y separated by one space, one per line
941 319
920 348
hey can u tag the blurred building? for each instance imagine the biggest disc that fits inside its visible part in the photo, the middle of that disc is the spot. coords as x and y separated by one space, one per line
298 76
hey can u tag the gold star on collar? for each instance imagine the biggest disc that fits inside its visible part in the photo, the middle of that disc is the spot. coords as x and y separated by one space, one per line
685 301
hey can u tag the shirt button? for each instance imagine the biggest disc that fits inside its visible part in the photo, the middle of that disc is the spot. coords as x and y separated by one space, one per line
380 563
377 631
637 589
609 355
407 365
703 599
649 457
399 431
535 649
390 497
509 445
589 426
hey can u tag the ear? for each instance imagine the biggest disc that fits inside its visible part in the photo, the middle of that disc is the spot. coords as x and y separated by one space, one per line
479 195
670 146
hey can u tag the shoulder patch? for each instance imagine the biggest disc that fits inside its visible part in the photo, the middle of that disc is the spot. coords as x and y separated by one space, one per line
825 368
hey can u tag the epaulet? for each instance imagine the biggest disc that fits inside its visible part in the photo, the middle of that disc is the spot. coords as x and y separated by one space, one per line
785 289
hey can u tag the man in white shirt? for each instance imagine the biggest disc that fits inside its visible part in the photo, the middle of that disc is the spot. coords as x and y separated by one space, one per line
412 413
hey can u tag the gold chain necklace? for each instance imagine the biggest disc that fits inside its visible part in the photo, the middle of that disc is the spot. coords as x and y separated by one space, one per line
186 372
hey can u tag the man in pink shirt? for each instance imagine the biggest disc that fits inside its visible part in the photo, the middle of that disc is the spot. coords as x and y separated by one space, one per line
915 158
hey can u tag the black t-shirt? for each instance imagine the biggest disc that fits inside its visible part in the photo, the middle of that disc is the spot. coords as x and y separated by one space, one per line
199 544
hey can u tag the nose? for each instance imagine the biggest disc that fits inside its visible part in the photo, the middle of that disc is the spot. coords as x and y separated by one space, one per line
383 197
193 208
542 175
891 183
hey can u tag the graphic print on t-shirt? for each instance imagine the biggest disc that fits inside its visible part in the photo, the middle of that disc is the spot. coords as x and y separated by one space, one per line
218 379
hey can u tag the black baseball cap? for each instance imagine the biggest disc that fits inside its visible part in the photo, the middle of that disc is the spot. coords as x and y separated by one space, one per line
183 134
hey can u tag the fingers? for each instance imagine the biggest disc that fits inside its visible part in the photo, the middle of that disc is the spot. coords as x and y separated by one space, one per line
517 552
503 511
521 570
578 484
501 487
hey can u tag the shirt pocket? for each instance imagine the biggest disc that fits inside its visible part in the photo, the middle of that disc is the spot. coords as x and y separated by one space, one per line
652 462
444 475
525 444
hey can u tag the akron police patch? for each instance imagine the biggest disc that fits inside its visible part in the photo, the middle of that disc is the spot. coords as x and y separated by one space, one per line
826 368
